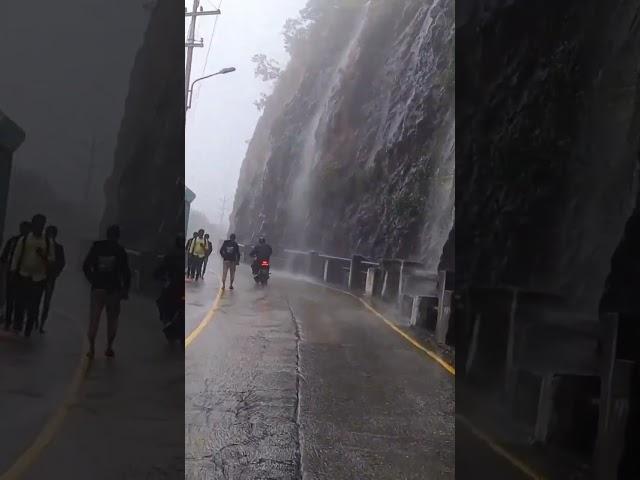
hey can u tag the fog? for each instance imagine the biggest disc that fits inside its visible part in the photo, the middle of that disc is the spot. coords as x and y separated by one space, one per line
223 115
65 77
66 86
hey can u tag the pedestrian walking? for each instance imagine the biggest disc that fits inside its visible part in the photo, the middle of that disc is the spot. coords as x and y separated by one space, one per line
190 257
199 252
10 278
51 233
209 250
106 267
230 253
31 261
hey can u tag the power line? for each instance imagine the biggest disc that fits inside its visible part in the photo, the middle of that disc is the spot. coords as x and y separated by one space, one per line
206 60
213 32
191 42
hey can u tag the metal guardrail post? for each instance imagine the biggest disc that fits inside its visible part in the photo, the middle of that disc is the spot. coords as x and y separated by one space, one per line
442 283
355 268
391 282
371 283
314 265
401 280
444 313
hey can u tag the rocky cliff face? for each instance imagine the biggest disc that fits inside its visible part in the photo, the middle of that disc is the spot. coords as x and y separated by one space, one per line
145 193
355 149
548 122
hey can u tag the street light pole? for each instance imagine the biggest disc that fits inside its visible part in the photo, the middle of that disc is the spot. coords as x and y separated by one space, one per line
190 91
191 41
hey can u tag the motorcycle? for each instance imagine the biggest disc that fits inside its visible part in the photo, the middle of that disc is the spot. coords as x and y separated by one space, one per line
262 273
172 317
174 328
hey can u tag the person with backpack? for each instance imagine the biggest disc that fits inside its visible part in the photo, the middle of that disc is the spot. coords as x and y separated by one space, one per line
10 281
33 257
198 249
189 252
209 249
54 272
106 267
230 253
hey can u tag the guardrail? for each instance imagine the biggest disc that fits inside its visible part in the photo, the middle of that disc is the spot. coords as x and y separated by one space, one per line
422 296
142 266
525 343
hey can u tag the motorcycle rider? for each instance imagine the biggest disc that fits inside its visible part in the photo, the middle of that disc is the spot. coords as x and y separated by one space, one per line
260 252
171 269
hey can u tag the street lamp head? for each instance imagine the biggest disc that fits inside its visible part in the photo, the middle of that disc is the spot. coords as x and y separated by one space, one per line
227 70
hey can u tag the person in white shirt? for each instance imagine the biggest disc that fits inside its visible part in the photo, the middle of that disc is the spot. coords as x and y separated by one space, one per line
32 258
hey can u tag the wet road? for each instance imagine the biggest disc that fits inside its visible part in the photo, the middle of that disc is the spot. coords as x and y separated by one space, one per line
298 381
30 389
124 420
475 456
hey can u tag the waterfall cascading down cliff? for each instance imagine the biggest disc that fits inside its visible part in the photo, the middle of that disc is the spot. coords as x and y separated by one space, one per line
354 152
548 107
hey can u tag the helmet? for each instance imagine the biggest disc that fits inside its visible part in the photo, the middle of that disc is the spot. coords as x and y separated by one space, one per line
262 240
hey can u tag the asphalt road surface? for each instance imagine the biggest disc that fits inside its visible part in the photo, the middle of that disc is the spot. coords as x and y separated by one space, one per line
296 381
35 374
474 456
124 419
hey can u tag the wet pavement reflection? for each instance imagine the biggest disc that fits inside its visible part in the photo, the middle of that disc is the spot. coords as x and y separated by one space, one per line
298 381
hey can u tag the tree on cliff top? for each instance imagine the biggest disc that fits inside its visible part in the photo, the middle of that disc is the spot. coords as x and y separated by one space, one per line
267 69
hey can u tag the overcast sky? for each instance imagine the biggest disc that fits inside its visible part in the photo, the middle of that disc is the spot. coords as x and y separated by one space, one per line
223 116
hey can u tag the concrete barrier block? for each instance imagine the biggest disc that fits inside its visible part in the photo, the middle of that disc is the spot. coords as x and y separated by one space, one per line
444 314
391 282
406 303
423 312
370 282
315 266
355 273
333 272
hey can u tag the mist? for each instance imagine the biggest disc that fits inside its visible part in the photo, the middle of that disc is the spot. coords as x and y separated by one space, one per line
223 115
66 86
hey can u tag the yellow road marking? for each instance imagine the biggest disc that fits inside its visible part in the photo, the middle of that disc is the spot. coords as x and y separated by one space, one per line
451 369
430 353
205 321
46 435
499 450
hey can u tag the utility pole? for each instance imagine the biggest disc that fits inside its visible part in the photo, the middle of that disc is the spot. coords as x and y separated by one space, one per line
223 210
191 42
93 146
92 153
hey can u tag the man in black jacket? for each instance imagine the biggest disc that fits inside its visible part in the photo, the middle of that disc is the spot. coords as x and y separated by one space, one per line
230 253
107 269
55 270
10 281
